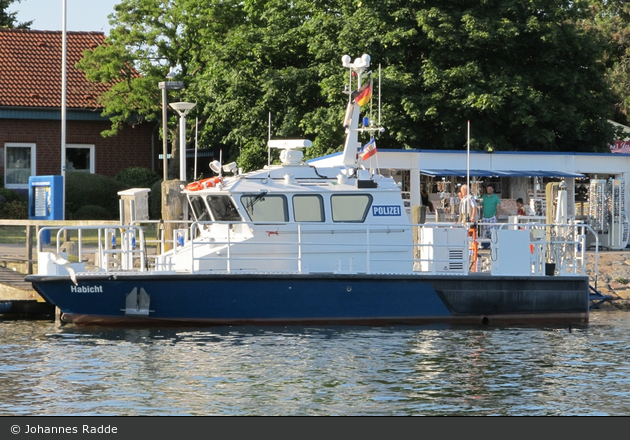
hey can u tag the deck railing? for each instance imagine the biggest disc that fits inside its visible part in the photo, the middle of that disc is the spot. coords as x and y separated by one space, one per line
561 245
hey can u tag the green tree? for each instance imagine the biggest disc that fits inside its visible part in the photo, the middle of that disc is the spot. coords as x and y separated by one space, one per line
611 19
524 74
234 68
148 39
141 48
8 20
257 74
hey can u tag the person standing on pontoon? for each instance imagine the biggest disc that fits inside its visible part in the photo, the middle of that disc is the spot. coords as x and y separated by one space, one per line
490 203
467 206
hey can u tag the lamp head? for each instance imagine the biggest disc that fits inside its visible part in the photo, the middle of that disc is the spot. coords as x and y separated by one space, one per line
230 168
215 166
182 107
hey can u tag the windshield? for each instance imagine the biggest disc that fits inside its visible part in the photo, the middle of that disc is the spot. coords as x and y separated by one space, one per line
223 209
200 211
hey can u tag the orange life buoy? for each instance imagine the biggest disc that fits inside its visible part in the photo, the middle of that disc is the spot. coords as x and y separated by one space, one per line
204 183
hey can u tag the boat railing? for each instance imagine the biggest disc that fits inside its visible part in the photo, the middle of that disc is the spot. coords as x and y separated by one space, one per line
298 245
113 247
457 257
126 247
161 243
409 257
557 248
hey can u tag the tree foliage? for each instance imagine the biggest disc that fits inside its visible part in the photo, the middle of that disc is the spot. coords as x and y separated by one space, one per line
611 20
8 20
524 73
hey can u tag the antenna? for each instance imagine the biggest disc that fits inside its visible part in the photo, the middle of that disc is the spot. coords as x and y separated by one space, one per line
196 132
379 95
468 159
269 148
350 86
371 73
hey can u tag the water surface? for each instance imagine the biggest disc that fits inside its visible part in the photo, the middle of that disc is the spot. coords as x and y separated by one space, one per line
52 369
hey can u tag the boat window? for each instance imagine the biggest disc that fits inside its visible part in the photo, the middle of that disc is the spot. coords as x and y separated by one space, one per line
308 208
350 207
263 207
223 209
200 211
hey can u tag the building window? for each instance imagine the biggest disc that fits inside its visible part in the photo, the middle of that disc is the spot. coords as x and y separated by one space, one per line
19 164
80 158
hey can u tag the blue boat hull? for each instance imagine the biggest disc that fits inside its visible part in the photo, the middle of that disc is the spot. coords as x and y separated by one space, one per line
224 299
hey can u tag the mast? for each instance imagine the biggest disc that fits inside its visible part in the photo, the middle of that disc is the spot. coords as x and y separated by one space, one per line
64 87
351 119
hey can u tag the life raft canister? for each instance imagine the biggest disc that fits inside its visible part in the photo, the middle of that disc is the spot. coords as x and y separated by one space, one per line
205 183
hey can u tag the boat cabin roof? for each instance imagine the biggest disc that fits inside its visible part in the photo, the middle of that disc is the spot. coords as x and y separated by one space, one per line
302 178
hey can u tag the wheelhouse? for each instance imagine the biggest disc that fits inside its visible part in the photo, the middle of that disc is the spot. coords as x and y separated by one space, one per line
276 207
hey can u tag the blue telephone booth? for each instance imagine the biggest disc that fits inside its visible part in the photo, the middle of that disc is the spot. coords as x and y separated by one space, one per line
45 200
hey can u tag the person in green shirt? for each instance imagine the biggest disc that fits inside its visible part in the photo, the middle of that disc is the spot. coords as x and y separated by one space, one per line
490 203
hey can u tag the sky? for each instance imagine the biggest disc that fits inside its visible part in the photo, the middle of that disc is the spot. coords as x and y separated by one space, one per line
81 15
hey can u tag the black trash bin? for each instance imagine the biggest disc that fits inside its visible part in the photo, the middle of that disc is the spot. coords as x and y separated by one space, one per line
550 269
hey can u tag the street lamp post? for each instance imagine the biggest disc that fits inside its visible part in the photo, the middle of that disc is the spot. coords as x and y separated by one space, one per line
182 109
64 88
166 85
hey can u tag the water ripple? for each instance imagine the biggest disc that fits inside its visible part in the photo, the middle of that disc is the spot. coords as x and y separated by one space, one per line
48 369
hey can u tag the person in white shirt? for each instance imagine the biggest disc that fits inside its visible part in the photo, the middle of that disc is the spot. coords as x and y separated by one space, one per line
467 207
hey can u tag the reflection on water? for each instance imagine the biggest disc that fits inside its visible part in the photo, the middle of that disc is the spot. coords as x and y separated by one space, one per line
48 369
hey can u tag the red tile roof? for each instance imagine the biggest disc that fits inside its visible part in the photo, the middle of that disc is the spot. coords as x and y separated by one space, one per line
30 69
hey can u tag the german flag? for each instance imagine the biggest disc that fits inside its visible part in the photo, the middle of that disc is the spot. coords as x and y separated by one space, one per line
363 95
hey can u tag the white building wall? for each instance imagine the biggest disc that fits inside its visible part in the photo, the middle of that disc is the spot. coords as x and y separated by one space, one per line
605 164
532 161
